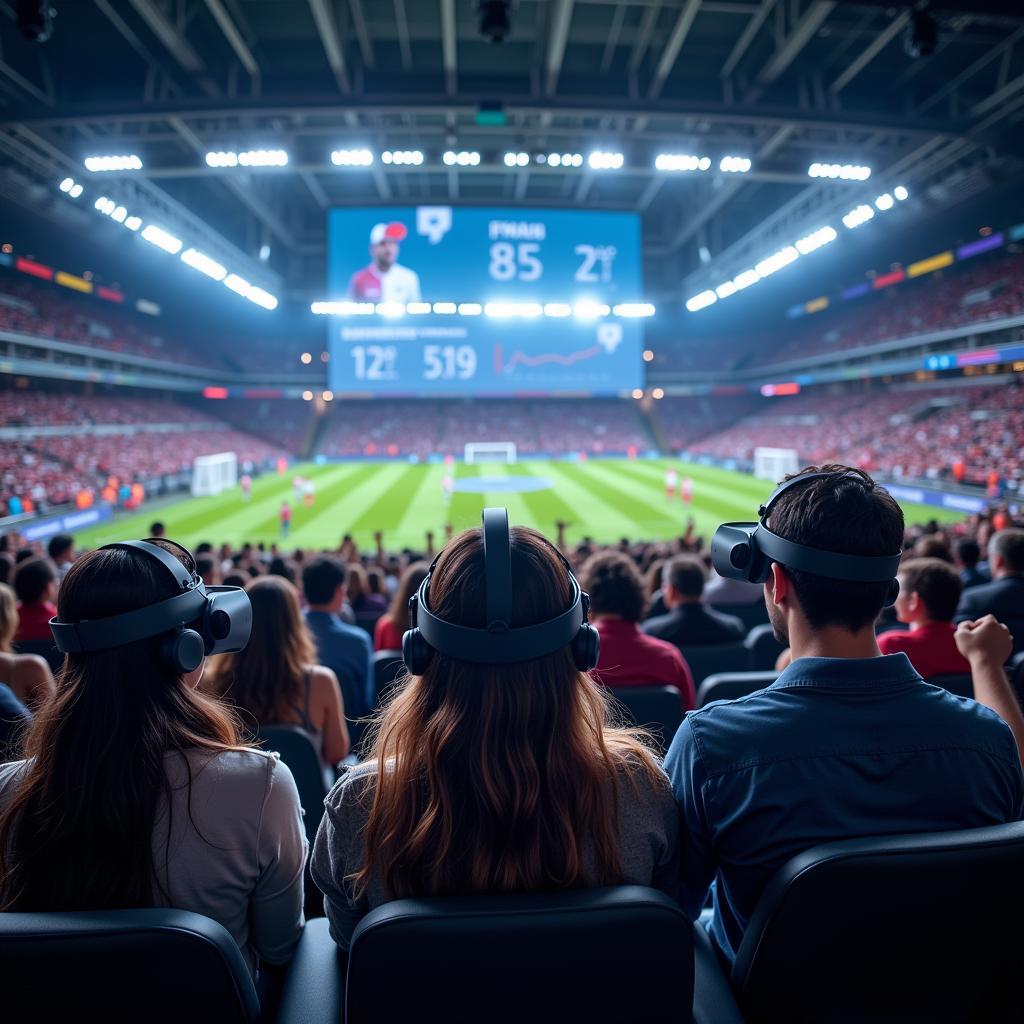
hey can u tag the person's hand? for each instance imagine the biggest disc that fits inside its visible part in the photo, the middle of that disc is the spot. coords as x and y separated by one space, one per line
984 639
448 530
378 536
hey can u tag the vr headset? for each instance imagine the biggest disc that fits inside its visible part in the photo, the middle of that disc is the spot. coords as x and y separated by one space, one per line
498 643
745 551
200 620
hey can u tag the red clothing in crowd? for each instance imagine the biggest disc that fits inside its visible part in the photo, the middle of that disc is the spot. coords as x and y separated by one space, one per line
631 658
930 648
34 621
385 636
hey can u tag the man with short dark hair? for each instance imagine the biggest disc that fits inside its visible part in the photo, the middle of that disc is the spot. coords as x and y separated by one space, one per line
689 622
208 569
846 742
1004 596
35 586
157 529
967 555
61 550
342 648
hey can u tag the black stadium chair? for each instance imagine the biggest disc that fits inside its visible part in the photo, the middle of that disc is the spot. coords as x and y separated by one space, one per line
387 667
755 613
892 930
1016 674
312 779
658 709
711 658
731 685
960 683
368 620
764 648
123 967
46 649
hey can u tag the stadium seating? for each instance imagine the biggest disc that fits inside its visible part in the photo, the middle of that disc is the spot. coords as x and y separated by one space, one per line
764 648
705 660
751 614
387 667
312 779
890 930
657 709
732 685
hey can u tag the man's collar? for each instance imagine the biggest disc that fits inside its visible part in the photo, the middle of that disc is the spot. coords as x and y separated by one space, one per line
848 673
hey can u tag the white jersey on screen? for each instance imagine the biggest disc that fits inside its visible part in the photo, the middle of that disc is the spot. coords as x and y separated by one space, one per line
398 284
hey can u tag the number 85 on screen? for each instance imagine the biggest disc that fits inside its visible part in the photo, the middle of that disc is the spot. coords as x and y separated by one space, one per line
448 362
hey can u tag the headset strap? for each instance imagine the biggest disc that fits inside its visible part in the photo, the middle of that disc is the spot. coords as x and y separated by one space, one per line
184 577
831 564
497 567
804 478
117 630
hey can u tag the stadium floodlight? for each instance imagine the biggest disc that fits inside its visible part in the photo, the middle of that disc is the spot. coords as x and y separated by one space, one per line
900 193
885 201
328 396
745 279
238 284
517 159
648 355
503 310
858 216
133 223
400 157
701 300
777 261
601 160
67 185
162 239
391 309
76 190
734 164
638 393
119 214
417 308
462 158
588 309
445 308
727 288
816 240
221 159
204 264
470 309
679 162
307 396
99 164
105 205
262 298
633 310
557 309
351 158
847 172
306 358
658 393
263 158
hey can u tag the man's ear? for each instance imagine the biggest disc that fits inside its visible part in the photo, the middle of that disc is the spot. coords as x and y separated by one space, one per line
779 584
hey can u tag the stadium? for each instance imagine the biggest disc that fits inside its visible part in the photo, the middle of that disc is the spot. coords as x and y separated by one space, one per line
721 301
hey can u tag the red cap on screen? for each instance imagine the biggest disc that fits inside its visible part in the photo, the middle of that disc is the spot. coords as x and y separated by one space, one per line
395 231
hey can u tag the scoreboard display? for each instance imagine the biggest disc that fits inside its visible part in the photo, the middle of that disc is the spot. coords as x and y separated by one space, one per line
483 301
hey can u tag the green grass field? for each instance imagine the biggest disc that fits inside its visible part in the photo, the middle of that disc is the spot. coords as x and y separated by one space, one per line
604 499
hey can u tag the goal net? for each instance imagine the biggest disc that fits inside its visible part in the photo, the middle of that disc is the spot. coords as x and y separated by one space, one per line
212 474
774 463
491 451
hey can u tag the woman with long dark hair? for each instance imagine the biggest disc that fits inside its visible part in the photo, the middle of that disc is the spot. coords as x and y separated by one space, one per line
276 679
495 778
387 634
136 790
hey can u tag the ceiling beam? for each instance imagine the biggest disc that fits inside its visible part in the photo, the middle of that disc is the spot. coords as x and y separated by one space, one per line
234 37
24 84
675 43
362 32
998 97
136 43
612 43
173 40
558 36
643 39
316 189
323 16
869 53
404 45
746 38
802 32
449 49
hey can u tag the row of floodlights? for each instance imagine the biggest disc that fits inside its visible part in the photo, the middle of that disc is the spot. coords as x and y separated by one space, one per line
788 254
583 310
847 172
171 244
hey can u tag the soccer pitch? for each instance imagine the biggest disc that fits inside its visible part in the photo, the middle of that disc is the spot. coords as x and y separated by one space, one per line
604 499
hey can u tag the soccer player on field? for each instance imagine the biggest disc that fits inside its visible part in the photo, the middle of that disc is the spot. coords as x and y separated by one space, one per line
671 478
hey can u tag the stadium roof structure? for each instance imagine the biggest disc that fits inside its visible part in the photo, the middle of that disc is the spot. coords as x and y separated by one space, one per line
783 83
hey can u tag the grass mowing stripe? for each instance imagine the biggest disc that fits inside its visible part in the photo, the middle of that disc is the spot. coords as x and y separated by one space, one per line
590 515
427 509
545 508
603 484
464 508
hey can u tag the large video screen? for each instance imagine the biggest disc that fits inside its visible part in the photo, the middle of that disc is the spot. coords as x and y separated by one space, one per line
486 274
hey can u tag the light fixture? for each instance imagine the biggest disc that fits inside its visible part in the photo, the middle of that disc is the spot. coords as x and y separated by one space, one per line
557 309
306 358
681 162
816 240
463 158
417 308
734 164
162 239
648 355
67 185
129 162
307 396
885 201
119 214
859 215
900 193
238 284
745 279
588 309
470 309
409 157
445 308
328 396
351 158
848 172
517 159
390 309
638 393
204 264
248 158
658 393
777 261
631 310
133 223
601 160
727 288
701 300
261 298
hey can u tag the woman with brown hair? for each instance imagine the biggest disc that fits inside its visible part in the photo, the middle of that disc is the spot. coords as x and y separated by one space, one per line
276 679
28 675
362 599
489 778
137 791
387 634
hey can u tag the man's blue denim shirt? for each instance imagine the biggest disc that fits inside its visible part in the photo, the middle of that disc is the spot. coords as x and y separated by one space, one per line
833 749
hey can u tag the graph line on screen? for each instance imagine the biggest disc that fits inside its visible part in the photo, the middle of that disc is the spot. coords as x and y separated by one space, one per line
542 359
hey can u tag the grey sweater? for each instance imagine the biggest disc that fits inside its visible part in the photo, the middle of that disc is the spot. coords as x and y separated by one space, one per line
648 844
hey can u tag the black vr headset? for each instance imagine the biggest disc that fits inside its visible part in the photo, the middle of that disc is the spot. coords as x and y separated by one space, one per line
499 644
745 551
221 617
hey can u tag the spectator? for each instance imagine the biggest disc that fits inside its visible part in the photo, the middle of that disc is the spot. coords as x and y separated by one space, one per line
360 597
235 579
35 583
157 529
208 567
387 634
276 679
628 657
14 717
28 675
689 622
929 591
495 778
967 554
343 648
722 592
136 790
933 545
846 742
1004 596
6 567
377 586
61 550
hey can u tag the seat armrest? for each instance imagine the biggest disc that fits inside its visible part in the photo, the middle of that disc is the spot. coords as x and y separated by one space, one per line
315 981
713 998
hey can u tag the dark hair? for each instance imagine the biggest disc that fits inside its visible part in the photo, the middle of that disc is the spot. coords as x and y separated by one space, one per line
847 513
79 830
322 577
282 567
60 544
398 612
32 577
6 567
936 582
204 548
933 545
235 579
1008 545
157 529
613 582
968 552
205 564
686 573
23 555
375 580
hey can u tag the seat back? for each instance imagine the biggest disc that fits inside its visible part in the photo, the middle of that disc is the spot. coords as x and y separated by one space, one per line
658 709
751 614
311 780
368 620
895 929
387 667
763 646
730 685
706 660
46 649
615 954
122 967
960 683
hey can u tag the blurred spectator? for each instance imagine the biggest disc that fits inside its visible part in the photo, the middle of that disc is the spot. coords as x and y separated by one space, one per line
1003 597
933 545
35 583
689 622
376 583
360 597
387 634
61 550
967 553
157 529
723 592
208 569
628 657
929 591
28 675
14 716
6 567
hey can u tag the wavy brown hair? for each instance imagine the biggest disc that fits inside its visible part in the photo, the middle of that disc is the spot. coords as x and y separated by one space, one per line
79 829
266 679
498 777
398 612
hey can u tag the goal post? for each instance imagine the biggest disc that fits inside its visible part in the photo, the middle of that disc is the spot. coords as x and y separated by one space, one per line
490 451
212 474
775 463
